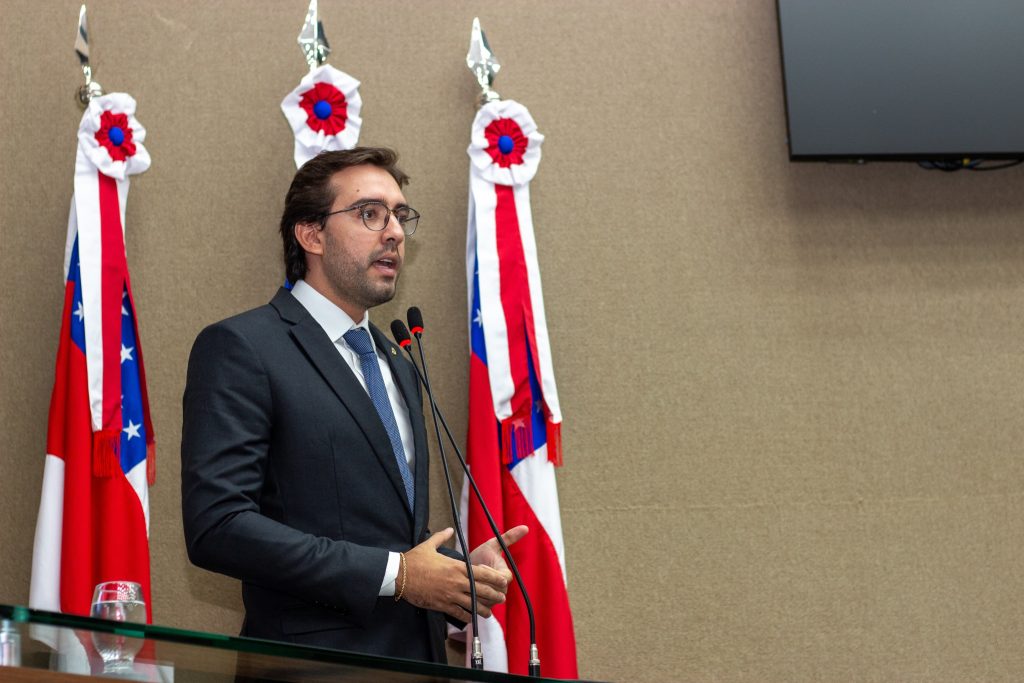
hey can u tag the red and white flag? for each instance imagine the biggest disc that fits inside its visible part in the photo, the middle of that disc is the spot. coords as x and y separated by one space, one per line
93 523
514 441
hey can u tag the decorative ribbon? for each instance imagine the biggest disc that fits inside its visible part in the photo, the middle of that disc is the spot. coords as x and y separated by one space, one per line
323 112
109 151
504 155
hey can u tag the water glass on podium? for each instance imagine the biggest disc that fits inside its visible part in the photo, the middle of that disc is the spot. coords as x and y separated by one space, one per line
118 601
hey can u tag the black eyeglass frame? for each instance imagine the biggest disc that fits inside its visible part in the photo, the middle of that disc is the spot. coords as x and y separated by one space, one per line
414 218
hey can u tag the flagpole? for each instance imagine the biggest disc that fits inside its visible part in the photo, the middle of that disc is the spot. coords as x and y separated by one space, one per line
99 462
91 88
484 65
514 437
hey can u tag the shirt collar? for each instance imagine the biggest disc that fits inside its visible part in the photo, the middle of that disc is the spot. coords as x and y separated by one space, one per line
332 319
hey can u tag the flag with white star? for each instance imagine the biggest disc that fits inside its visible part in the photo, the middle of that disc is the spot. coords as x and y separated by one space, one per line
93 523
514 433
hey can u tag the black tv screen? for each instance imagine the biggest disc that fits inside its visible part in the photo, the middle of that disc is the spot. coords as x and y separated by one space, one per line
903 79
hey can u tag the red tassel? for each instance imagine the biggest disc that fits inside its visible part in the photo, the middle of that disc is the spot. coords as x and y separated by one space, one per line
555 443
506 442
523 445
106 453
151 462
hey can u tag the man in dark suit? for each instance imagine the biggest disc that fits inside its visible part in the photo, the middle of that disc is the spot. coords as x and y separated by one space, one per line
304 455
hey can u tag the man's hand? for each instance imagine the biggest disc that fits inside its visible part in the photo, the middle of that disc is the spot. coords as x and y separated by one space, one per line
437 582
488 556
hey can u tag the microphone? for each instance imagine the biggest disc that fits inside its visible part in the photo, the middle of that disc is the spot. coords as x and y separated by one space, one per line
401 335
415 318
477 661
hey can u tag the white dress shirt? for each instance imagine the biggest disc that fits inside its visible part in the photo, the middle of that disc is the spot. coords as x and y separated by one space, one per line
336 323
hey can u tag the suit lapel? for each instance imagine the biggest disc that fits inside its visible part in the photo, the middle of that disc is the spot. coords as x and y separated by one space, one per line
322 353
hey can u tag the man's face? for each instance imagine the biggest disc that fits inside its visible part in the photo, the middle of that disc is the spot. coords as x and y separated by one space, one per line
360 265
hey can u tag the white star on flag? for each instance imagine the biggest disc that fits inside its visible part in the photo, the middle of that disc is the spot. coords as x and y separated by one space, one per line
132 430
126 352
477 320
79 312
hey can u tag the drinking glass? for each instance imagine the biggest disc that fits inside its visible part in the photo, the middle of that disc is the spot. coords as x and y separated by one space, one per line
118 601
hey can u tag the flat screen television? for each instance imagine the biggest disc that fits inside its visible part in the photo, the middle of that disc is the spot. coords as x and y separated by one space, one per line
916 80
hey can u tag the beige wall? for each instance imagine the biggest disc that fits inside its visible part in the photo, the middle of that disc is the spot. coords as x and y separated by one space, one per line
792 393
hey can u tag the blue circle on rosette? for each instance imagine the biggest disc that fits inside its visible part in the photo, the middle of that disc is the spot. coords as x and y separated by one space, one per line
323 110
506 144
116 135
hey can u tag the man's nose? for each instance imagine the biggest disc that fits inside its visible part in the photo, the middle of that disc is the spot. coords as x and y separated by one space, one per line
393 230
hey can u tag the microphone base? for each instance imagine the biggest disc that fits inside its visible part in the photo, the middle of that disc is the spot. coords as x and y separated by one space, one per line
477 660
534 665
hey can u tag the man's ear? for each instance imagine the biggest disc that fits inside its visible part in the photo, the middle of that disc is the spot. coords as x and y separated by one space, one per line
309 236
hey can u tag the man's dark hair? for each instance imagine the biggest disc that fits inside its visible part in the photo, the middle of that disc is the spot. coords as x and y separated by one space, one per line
311 195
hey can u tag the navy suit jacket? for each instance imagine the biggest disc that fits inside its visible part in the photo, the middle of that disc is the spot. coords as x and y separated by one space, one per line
289 483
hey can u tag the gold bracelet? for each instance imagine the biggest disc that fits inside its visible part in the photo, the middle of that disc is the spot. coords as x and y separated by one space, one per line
401 557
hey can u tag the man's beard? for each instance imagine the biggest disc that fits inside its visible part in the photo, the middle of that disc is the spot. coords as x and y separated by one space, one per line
352 282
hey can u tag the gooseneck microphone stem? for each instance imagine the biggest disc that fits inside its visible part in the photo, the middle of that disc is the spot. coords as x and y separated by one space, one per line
476 652
477 659
402 336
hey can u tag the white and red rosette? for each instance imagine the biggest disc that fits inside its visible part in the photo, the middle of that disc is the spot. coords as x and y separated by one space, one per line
323 112
504 147
110 137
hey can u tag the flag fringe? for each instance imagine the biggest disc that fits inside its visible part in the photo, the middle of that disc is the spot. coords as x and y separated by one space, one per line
515 440
106 453
506 442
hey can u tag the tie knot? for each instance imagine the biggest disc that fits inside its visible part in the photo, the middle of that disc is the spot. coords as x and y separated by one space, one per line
359 341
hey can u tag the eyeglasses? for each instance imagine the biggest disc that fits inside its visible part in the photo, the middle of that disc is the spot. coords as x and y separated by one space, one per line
376 215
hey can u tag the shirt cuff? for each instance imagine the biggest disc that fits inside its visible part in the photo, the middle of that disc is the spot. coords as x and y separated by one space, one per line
387 586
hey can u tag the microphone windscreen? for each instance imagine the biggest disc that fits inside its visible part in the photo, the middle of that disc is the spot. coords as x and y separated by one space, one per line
415 320
400 333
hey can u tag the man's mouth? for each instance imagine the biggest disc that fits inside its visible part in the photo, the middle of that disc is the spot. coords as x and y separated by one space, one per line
388 264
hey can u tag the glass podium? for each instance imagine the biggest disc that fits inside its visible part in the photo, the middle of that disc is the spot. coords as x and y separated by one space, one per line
58 648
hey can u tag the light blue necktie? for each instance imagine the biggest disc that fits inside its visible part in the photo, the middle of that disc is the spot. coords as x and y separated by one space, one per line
360 342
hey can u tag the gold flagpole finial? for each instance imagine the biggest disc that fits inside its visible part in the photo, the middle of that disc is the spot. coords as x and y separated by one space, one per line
482 62
91 88
312 39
